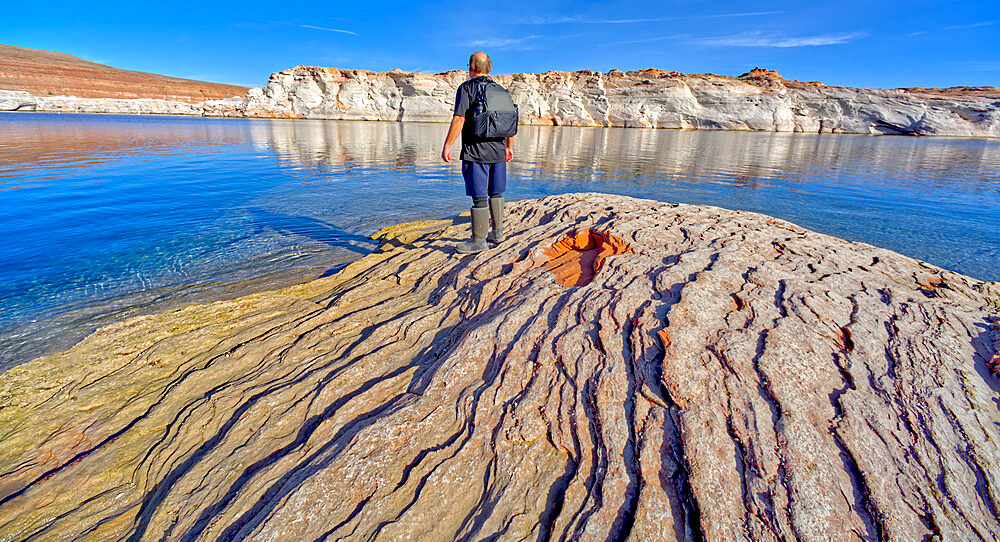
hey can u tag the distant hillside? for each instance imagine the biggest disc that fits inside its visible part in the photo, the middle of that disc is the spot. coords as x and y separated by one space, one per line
46 73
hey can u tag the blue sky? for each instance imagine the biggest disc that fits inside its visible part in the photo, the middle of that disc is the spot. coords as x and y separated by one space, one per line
856 43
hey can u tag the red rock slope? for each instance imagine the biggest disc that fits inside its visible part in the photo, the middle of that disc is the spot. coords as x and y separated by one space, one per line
47 73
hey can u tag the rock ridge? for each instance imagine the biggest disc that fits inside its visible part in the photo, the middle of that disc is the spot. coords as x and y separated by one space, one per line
720 375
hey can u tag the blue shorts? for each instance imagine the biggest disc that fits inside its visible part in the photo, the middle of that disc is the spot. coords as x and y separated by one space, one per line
482 180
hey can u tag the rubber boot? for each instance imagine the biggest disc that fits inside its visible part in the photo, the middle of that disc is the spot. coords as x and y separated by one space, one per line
480 223
496 214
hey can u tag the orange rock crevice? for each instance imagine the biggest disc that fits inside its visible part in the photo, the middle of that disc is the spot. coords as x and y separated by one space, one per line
576 259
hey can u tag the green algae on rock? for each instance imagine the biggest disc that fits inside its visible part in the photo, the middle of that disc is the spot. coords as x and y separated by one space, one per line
721 374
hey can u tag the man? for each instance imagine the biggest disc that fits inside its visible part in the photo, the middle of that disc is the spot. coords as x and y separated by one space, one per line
484 160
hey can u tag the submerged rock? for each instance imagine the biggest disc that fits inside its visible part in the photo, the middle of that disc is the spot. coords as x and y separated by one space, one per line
618 368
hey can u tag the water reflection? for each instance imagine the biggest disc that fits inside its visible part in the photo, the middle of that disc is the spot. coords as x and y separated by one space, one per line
32 142
319 144
748 159
118 215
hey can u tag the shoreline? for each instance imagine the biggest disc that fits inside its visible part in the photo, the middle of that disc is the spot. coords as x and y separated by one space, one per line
391 236
441 122
27 341
262 285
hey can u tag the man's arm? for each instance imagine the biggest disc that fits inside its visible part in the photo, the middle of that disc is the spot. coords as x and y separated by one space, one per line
457 122
510 148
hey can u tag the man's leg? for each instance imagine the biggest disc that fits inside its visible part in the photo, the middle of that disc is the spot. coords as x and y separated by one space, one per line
476 185
497 185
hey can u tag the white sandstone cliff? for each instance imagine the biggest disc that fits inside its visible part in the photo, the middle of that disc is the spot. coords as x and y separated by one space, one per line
759 100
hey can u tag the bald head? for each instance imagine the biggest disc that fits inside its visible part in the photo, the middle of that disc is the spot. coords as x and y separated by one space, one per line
480 62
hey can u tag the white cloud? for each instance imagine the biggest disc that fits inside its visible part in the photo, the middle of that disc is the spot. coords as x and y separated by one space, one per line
974 25
328 29
517 44
646 40
581 20
549 20
756 39
738 14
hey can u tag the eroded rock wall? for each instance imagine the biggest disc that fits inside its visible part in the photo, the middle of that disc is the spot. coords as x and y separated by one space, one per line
618 368
759 100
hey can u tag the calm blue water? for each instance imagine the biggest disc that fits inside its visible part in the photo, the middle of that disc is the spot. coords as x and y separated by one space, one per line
104 216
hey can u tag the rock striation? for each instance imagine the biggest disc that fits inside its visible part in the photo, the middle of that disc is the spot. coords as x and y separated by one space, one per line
617 369
757 100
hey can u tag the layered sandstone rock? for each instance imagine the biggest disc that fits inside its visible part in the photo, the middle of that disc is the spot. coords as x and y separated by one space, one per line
617 369
758 100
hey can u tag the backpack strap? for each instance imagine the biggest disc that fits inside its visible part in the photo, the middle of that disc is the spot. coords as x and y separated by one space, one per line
480 95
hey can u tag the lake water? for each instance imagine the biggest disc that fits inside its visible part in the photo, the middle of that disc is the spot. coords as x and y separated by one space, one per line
106 216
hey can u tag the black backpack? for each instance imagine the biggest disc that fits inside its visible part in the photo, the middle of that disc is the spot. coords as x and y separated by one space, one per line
494 112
